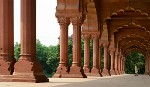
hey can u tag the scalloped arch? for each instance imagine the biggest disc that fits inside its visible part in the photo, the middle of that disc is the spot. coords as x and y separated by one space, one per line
126 11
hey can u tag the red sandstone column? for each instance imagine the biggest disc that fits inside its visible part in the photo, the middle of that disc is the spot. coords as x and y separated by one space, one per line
86 67
100 57
116 63
147 65
124 65
108 63
121 65
105 71
119 59
112 70
62 69
76 70
95 70
27 69
7 60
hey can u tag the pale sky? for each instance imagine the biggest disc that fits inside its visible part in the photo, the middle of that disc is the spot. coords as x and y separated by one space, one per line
47 27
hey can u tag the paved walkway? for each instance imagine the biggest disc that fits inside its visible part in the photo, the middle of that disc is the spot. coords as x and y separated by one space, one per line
113 81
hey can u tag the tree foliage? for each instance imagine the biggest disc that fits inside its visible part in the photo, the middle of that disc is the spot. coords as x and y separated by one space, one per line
17 51
135 58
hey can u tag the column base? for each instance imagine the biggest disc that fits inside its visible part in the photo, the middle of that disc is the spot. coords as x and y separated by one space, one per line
86 70
105 72
146 73
61 72
112 72
117 72
76 72
28 71
23 78
95 72
121 72
6 68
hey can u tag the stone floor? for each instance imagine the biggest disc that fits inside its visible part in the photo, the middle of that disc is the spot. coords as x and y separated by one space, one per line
113 81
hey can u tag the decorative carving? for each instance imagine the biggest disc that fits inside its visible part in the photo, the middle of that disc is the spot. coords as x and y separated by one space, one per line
128 12
131 25
63 20
112 50
95 36
105 43
86 36
77 20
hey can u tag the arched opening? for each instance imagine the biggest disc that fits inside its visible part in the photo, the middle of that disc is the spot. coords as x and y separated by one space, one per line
132 59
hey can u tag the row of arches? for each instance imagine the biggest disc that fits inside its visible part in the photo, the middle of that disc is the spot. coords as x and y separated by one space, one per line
121 27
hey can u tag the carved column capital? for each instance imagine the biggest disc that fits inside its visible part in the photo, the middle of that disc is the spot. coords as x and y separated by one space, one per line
63 20
77 20
105 44
86 36
112 50
95 36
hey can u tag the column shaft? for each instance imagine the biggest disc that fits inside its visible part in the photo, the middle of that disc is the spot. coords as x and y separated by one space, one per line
148 65
76 70
28 69
95 69
86 53
105 69
62 69
112 70
119 65
100 57
76 45
7 60
124 66
116 63
63 44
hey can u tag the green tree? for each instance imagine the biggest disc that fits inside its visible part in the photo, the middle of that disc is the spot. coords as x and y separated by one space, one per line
53 58
17 51
135 58
42 52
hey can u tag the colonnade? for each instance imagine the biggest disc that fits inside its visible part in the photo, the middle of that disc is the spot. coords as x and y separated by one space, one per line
27 68
117 59
117 65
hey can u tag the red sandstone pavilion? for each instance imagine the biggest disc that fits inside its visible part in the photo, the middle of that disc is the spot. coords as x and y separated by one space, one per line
120 26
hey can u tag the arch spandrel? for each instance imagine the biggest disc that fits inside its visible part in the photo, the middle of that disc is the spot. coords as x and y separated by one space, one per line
128 51
131 38
135 48
129 12
115 24
110 6
134 44
128 32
